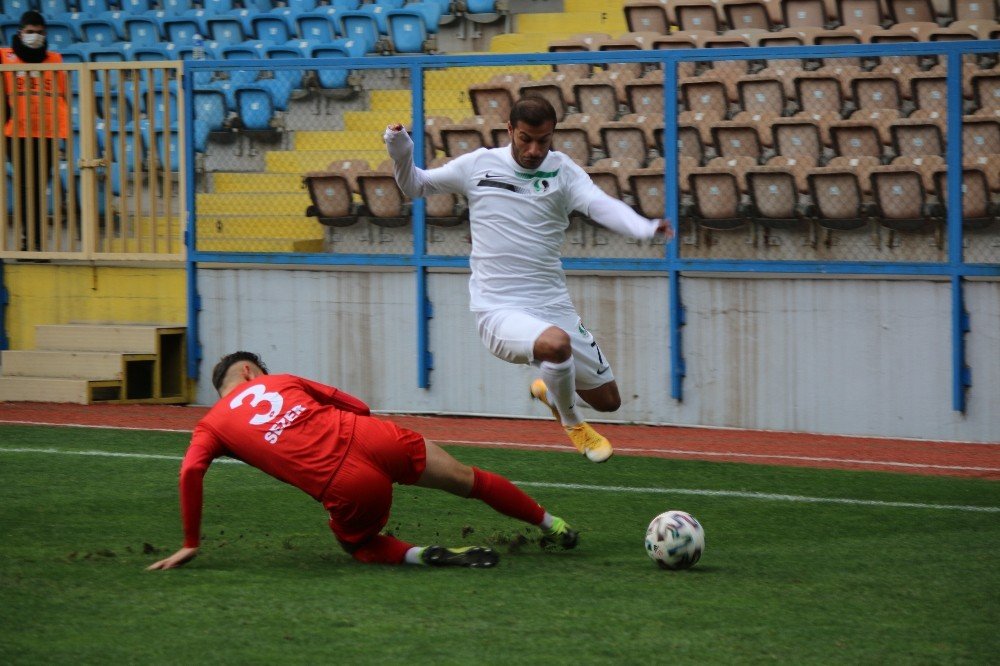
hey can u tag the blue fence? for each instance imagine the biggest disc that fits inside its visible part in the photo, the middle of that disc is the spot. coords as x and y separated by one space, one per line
953 265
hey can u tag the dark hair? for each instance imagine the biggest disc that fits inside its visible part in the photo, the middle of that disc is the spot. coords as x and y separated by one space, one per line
227 361
533 110
31 17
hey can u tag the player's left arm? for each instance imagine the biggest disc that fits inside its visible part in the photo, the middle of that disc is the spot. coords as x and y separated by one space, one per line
329 395
590 200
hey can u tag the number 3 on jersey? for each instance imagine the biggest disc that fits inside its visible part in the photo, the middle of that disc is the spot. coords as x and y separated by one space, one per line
257 395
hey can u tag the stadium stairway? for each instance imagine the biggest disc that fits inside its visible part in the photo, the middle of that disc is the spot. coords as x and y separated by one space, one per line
90 363
534 32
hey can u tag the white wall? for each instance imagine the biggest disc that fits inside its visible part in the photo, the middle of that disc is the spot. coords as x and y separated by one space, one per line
836 356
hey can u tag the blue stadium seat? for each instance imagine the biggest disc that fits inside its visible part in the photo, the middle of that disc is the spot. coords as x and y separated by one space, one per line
8 29
142 30
345 5
327 77
93 7
316 26
377 12
406 30
126 140
59 35
301 6
255 107
181 29
259 5
168 141
240 52
119 106
360 27
271 29
110 53
50 8
390 4
200 138
75 53
281 82
99 31
176 7
163 51
226 6
14 8
135 6
210 108
480 6
431 12
226 88
225 30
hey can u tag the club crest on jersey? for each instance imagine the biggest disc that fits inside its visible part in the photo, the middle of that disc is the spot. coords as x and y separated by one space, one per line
539 180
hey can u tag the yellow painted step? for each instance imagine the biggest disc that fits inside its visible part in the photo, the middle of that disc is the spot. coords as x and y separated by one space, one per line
283 227
301 161
393 100
257 182
279 203
339 140
260 245
63 364
523 42
609 6
134 338
460 78
48 389
146 246
600 21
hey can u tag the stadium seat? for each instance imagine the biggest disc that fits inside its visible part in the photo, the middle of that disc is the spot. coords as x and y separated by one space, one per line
706 95
210 108
59 35
647 15
119 52
180 30
856 138
270 29
908 11
92 7
838 204
804 13
331 78
689 144
977 10
494 99
99 31
577 43
746 15
574 141
135 7
798 139
916 138
648 187
142 30
697 15
926 165
553 87
176 7
737 139
929 91
715 195
255 107
361 27
169 153
761 96
445 209
625 139
877 91
645 95
317 27
332 198
978 211
980 136
774 197
900 198
431 12
464 137
407 31
861 167
860 13
382 198
225 30
596 97
986 91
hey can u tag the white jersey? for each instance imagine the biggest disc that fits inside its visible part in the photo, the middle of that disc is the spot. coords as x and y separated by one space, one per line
519 219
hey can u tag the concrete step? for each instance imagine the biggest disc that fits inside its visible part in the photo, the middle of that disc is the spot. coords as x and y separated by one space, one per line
257 182
122 338
67 364
46 389
260 245
228 203
612 22
301 161
341 140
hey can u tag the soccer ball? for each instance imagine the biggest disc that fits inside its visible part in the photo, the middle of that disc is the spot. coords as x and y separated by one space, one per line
675 540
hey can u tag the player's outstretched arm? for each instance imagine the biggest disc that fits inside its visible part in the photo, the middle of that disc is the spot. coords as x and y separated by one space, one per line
182 556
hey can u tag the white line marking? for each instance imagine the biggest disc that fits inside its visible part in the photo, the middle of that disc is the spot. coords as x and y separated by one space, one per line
580 486
640 451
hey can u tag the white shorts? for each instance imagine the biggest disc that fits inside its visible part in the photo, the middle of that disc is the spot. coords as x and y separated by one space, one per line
510 335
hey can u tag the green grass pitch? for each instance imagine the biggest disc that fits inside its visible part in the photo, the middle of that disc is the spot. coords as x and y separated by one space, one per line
782 580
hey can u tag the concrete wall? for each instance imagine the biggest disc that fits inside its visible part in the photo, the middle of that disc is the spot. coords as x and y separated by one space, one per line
837 356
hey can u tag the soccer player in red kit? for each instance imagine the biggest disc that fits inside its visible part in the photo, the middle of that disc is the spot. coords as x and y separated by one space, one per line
325 442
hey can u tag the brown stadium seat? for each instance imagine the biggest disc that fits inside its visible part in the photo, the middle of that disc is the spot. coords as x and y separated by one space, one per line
605 178
747 14
837 200
762 95
492 100
706 95
574 140
819 92
916 138
735 165
442 210
856 138
499 135
630 41
590 124
588 41
862 166
985 29
978 211
728 71
685 165
700 123
804 14
716 200
382 198
990 165
980 136
464 137
939 118
881 119
647 15
550 89
432 130
798 139
696 15
779 67
689 143
619 167
645 95
906 11
857 13
950 34
596 97
648 188
332 198
798 169
624 139
737 139
927 165
680 40
876 91
834 37
897 65
900 198
351 169
774 197
986 90
929 91
973 10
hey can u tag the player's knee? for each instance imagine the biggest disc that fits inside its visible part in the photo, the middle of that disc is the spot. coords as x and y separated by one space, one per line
553 345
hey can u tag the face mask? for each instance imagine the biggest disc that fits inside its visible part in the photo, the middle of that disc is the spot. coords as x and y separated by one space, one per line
33 40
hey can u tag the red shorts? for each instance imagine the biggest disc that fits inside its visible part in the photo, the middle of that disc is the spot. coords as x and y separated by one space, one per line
359 496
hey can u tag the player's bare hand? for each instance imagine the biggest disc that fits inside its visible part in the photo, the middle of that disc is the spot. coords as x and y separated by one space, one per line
182 556
664 227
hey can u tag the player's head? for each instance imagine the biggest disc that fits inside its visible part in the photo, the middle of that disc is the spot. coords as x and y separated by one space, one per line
31 29
230 365
532 122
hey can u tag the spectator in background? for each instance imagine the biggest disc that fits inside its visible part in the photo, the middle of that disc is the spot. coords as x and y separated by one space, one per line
37 117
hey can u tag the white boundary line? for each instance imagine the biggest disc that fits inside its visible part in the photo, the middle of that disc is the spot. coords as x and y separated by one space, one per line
565 448
579 486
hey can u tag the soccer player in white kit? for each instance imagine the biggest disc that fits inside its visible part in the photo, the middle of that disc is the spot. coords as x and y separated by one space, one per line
520 198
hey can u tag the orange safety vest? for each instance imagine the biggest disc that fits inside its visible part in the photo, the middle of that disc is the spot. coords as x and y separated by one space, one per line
30 97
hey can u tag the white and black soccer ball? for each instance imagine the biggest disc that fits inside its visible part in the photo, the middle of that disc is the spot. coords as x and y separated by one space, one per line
675 540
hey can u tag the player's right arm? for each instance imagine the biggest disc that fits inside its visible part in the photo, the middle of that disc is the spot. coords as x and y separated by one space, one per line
203 450
414 181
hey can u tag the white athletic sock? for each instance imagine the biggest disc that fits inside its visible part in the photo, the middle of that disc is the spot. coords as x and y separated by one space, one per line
560 380
413 555
547 520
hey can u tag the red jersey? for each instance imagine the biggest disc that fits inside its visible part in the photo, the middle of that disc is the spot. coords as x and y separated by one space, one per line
296 430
